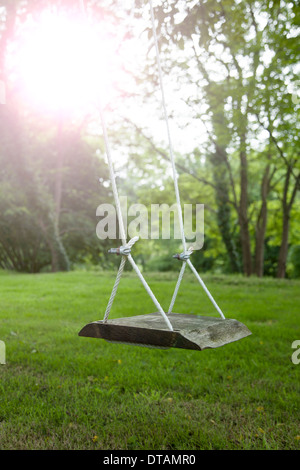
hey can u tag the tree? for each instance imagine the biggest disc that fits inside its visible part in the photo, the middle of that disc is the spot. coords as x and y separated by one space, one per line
44 202
237 53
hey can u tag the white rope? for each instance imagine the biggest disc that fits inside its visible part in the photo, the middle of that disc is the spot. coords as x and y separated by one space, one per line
186 253
131 242
177 287
115 288
175 176
205 288
126 250
122 231
113 178
121 223
119 210
183 257
109 158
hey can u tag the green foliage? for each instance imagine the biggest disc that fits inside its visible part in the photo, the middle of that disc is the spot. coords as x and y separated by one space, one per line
244 65
30 239
238 61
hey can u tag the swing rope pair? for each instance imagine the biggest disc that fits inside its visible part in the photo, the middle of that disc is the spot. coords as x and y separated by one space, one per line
125 249
184 331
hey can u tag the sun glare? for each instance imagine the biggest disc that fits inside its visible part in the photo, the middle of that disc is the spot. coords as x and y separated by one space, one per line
64 63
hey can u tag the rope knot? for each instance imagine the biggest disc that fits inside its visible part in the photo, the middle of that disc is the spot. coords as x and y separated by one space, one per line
124 250
184 256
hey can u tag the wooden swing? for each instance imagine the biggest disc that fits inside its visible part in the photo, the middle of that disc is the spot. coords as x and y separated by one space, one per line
161 329
189 331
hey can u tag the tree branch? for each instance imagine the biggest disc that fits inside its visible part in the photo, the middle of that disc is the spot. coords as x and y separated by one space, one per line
280 152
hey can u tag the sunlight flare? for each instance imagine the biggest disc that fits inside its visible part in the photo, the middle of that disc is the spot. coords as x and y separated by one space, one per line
65 63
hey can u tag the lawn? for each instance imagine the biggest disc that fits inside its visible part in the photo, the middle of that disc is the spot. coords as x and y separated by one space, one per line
62 391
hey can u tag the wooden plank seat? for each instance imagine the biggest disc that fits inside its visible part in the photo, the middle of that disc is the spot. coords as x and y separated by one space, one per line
189 331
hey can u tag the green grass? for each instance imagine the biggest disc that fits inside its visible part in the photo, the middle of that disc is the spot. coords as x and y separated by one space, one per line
62 391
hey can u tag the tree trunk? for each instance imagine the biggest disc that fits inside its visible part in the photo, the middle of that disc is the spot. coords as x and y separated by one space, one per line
286 210
246 247
58 174
60 261
220 174
261 225
284 245
59 258
260 240
223 219
243 211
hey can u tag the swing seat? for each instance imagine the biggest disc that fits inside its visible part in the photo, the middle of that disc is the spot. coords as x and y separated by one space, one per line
189 331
